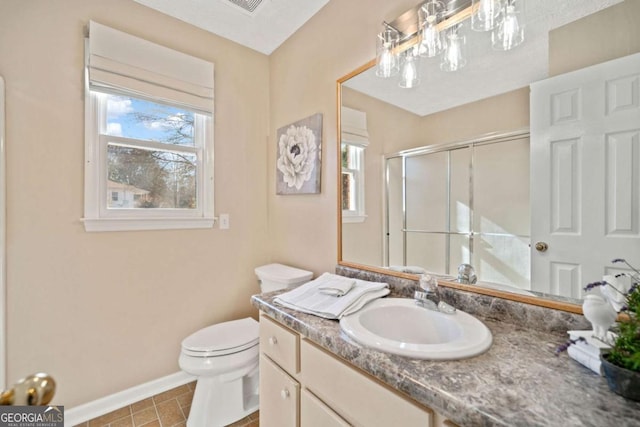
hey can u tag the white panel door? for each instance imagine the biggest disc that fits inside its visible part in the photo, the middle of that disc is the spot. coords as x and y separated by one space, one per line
585 174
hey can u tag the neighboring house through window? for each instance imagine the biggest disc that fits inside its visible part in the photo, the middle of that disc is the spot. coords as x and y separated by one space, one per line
354 141
127 196
149 135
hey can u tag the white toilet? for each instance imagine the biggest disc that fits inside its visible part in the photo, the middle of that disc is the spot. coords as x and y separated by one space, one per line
224 357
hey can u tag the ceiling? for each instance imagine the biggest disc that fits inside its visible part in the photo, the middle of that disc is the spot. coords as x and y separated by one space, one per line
264 29
488 72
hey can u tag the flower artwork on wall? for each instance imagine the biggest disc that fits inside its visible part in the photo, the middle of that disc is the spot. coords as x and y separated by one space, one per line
299 156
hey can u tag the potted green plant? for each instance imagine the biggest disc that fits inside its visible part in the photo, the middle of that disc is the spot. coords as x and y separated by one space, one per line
621 364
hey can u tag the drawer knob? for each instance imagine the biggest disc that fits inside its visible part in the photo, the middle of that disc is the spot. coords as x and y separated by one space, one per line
273 341
284 394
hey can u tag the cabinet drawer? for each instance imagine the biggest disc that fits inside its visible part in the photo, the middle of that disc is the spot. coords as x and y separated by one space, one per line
314 413
279 396
280 344
357 398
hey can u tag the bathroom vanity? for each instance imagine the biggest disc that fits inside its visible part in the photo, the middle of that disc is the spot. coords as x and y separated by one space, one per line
312 374
303 384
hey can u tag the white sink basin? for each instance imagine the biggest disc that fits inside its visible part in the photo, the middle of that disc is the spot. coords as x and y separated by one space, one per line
399 326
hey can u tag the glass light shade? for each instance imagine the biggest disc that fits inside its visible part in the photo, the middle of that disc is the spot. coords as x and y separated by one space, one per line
431 43
387 61
486 14
510 32
409 76
454 55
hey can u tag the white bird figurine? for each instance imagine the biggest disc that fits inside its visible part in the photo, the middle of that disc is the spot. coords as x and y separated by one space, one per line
615 290
600 313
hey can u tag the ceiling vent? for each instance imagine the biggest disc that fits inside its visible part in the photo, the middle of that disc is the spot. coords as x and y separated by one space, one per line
246 5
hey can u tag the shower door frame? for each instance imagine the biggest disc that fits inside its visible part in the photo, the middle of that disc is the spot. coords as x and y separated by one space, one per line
491 138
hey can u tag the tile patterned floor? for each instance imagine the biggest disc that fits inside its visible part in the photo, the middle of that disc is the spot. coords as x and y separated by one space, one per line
168 409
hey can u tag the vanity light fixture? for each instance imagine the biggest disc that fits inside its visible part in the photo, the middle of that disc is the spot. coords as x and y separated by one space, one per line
434 28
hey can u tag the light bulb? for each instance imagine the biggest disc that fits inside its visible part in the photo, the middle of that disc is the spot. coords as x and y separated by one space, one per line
387 63
387 57
453 58
409 72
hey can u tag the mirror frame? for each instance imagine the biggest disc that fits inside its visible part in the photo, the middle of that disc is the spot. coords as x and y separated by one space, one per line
538 301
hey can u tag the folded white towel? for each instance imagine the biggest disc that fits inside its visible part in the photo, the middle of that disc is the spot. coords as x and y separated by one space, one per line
337 286
309 299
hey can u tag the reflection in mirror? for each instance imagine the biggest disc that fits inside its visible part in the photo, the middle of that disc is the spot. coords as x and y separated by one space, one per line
445 208
446 175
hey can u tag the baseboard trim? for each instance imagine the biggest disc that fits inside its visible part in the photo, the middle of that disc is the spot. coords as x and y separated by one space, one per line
104 405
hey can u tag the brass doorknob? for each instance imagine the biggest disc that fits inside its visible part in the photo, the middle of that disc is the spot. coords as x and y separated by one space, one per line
36 389
541 246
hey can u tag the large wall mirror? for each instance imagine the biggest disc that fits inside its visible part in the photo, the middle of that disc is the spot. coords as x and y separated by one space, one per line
440 174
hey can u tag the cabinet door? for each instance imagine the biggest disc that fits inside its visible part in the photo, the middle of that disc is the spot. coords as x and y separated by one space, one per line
314 413
359 399
279 396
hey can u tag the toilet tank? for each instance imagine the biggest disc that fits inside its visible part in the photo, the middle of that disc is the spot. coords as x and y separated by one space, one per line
274 277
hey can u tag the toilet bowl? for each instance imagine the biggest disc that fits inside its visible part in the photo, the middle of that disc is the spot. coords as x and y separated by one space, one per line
224 357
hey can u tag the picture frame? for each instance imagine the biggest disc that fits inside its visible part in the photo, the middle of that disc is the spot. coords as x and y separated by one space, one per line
299 157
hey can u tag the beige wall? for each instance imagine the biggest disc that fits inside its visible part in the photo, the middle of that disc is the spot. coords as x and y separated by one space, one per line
501 113
606 35
103 312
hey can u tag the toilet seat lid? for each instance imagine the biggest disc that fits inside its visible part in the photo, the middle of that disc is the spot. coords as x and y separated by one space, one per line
226 337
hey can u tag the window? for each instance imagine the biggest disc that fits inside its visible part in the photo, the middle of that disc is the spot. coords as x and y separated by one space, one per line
352 182
150 149
149 132
355 140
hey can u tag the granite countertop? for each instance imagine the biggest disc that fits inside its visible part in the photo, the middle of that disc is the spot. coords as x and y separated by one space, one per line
518 382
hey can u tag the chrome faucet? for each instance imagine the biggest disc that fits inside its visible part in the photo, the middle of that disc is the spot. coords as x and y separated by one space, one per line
429 297
466 274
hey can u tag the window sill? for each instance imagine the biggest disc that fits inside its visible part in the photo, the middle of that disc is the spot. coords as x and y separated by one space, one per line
346 219
132 224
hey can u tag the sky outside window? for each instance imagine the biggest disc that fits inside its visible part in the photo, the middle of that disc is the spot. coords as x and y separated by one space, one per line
140 119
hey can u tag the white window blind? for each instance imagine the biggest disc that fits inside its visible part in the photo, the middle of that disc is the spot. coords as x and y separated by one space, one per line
119 61
354 127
